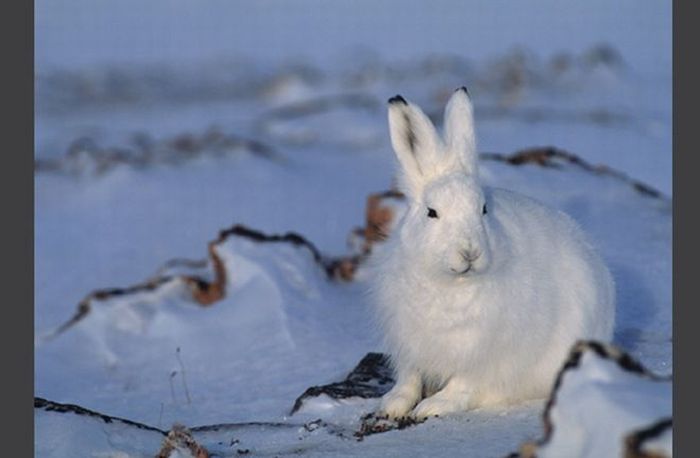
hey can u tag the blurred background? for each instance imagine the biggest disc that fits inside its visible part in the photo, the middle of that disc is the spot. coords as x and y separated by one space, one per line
590 77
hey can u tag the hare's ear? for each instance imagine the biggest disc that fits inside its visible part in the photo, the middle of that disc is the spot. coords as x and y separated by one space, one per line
459 130
415 142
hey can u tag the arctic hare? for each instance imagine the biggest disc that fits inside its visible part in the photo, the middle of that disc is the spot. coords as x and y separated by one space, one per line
480 292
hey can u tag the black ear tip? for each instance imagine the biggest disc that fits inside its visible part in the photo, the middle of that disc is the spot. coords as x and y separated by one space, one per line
398 99
464 89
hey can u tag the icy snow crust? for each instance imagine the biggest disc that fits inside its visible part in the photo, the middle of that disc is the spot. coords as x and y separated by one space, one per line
119 207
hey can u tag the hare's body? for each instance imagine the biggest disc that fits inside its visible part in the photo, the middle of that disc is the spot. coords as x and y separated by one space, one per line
479 307
506 332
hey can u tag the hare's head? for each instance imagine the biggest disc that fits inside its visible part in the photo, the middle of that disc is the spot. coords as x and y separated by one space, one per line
445 227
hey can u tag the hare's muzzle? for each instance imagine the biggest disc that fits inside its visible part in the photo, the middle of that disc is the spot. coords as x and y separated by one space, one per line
467 258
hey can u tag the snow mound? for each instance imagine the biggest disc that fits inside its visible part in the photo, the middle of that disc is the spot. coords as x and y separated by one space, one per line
70 430
604 403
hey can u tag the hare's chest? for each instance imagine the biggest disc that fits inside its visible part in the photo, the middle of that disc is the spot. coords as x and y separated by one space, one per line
437 341
438 313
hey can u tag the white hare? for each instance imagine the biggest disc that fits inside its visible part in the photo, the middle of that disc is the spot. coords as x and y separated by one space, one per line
480 292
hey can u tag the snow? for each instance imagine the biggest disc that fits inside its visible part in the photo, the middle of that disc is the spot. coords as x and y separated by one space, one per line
308 87
630 402
77 435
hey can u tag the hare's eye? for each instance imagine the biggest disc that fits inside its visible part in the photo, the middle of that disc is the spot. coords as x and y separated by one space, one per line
483 211
432 213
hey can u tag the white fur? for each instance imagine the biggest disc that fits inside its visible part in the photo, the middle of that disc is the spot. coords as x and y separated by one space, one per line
499 332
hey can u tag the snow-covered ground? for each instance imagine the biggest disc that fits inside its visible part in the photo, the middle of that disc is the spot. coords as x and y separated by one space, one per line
272 115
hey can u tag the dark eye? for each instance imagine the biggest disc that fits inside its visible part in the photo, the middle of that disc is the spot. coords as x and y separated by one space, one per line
483 211
432 213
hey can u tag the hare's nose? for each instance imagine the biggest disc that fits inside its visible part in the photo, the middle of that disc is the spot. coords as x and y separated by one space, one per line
470 255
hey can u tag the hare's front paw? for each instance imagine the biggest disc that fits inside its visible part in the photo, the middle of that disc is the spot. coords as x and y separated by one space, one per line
437 405
397 403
